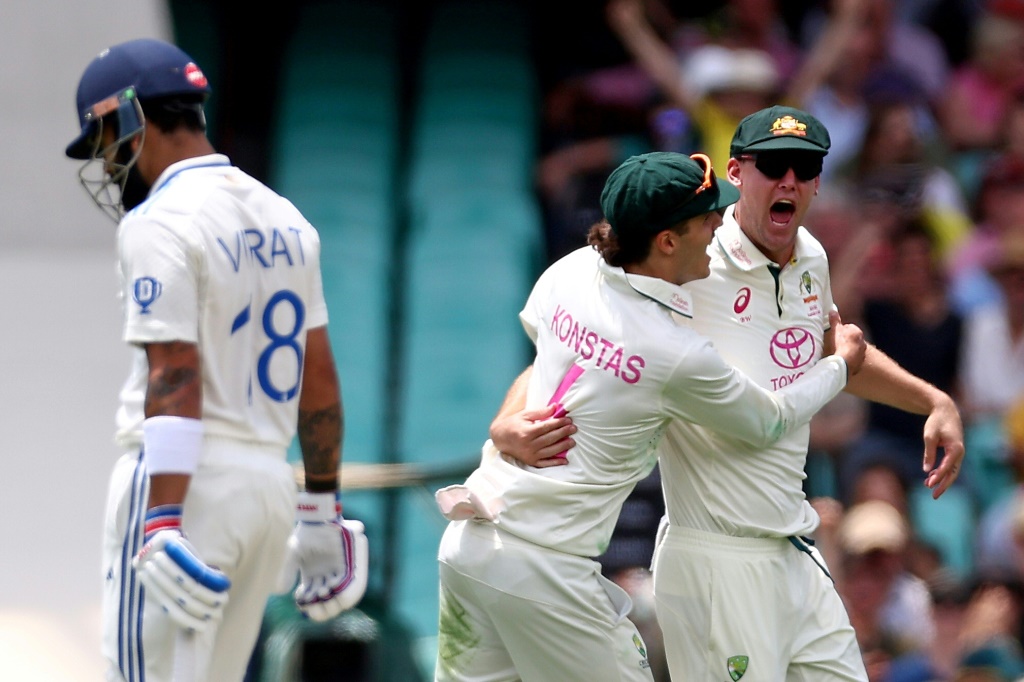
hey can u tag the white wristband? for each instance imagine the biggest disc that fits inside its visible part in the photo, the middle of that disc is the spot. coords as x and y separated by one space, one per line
317 507
172 445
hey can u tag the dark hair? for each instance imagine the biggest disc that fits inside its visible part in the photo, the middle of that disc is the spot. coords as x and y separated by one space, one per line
176 111
619 252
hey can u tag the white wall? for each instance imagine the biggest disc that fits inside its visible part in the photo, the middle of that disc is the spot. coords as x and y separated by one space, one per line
61 358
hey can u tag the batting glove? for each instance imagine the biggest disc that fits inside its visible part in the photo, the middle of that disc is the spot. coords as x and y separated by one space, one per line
332 555
192 593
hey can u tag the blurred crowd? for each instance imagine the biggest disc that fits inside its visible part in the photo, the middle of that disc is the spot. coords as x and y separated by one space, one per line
921 210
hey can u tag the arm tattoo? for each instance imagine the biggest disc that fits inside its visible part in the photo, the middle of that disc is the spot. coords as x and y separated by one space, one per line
170 390
319 434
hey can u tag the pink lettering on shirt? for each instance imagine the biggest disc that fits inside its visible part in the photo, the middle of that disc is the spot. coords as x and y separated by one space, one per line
589 345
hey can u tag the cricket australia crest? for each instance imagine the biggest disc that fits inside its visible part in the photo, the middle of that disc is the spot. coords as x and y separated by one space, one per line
737 666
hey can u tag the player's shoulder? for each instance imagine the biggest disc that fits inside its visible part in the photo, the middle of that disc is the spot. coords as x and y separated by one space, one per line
569 268
585 257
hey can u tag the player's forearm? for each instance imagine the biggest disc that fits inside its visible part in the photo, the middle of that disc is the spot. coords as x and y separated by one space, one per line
827 51
174 385
515 399
320 433
173 409
321 422
882 380
656 58
168 489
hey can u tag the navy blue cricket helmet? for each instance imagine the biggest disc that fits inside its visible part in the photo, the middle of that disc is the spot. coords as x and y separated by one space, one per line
122 75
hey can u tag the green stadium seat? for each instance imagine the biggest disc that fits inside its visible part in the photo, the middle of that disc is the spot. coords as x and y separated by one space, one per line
477 69
947 524
487 25
474 245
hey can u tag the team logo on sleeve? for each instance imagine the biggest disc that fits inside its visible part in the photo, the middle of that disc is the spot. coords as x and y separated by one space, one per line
737 666
145 291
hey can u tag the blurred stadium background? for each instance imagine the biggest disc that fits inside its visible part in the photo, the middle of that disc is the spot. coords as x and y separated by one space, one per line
408 133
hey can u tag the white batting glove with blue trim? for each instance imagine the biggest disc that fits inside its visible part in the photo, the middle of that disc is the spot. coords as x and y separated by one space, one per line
332 554
192 593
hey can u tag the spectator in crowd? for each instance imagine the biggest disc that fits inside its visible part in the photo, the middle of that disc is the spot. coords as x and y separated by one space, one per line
715 85
859 69
887 37
902 156
968 617
993 367
1012 138
994 344
978 115
996 548
889 608
743 25
571 173
990 644
701 88
979 91
915 326
998 209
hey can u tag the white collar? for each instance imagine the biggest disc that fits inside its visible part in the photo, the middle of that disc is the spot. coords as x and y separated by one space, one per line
187 164
672 296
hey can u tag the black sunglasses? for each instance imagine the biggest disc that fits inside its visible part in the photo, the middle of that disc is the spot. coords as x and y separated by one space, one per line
774 165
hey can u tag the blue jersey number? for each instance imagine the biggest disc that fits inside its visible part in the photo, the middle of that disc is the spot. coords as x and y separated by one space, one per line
287 341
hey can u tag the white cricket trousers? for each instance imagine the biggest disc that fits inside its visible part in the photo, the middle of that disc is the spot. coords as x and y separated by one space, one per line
511 610
239 512
758 609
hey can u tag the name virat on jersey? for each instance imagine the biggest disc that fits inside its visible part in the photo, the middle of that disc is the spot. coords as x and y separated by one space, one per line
264 248
586 342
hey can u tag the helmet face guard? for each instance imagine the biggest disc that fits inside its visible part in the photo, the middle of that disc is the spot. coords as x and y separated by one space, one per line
109 167
144 69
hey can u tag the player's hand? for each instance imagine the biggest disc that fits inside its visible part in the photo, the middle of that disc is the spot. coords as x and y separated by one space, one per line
534 437
943 429
849 342
191 592
333 558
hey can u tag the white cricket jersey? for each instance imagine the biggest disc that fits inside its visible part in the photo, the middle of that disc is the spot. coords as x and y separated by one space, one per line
616 352
770 324
216 258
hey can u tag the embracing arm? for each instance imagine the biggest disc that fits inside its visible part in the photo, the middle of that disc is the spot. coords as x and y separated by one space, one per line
321 419
715 395
530 436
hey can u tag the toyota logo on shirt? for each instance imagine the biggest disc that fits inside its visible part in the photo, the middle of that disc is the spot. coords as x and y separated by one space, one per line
793 347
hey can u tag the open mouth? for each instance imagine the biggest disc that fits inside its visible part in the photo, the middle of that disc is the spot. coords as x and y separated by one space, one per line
781 212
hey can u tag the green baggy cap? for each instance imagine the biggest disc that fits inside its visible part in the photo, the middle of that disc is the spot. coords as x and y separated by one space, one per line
779 128
652 192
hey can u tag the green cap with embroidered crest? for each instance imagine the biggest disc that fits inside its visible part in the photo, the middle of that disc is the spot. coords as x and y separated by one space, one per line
652 192
780 128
